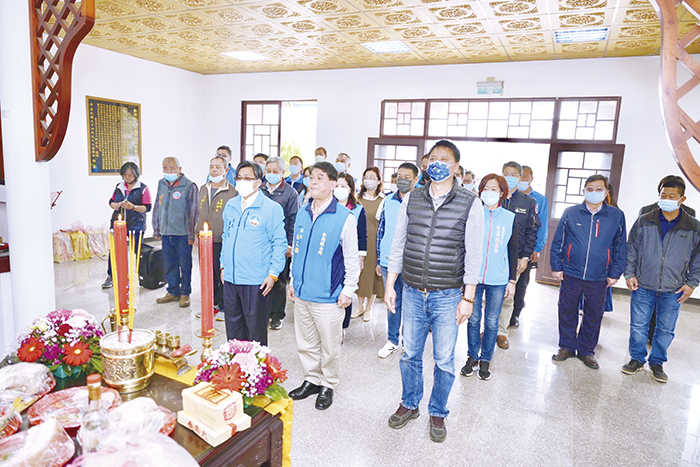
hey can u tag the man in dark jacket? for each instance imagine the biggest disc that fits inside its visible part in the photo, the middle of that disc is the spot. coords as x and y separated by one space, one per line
525 209
589 250
663 268
278 190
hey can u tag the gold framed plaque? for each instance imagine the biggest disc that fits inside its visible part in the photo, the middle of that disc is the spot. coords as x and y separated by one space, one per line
114 134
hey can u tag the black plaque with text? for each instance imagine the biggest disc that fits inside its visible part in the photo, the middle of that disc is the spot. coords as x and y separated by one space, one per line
114 134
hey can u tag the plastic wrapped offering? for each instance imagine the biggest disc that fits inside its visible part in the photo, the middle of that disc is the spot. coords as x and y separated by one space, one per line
26 381
46 445
62 248
10 421
147 450
66 406
140 416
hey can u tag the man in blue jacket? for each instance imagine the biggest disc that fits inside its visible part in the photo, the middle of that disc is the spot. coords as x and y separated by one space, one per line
663 268
252 255
589 252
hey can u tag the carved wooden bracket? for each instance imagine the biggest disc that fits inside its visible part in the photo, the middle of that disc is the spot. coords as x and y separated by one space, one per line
680 127
58 26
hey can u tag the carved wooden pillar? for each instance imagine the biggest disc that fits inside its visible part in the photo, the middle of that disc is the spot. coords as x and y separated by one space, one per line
58 26
680 127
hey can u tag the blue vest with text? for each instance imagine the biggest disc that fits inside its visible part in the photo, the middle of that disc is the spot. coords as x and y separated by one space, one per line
391 215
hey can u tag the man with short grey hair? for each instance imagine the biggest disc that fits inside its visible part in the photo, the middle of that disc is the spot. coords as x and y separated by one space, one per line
278 190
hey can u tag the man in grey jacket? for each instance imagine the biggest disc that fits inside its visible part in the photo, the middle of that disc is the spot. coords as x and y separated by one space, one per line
663 268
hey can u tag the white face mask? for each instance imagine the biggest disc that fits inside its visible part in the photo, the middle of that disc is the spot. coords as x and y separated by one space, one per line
245 187
370 184
318 158
216 179
341 193
468 186
394 187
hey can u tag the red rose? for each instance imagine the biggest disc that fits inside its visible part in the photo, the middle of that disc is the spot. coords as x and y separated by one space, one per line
64 329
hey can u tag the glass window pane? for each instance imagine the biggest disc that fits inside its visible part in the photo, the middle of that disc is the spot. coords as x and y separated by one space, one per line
598 160
590 120
249 134
581 120
573 186
479 110
604 131
525 119
437 127
249 152
559 210
571 159
406 153
389 126
584 133
575 199
607 110
403 130
438 110
518 132
560 193
404 107
253 114
567 129
271 114
499 110
456 131
274 133
257 143
385 151
569 110
417 127
497 129
581 173
588 107
562 177
390 109
476 129
543 110
604 173
462 119
418 110
541 129
262 129
452 119
514 120
520 107
265 145
459 107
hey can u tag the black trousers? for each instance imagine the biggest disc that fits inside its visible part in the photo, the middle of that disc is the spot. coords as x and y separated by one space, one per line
520 289
247 312
279 293
218 286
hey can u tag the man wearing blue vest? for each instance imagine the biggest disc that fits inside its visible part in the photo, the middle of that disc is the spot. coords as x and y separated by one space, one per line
252 255
325 270
437 250
387 214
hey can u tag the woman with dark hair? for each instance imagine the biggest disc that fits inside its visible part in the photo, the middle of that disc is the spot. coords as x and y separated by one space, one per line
497 277
371 285
304 191
345 194
132 200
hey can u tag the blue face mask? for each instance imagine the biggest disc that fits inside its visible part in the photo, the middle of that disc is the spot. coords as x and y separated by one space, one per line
294 169
523 186
594 197
512 181
668 205
307 180
273 179
490 198
438 171
170 177
340 167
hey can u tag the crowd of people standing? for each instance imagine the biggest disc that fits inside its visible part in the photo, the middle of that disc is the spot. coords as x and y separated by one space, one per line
439 248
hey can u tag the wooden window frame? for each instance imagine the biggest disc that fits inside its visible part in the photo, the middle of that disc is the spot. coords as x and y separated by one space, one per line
244 119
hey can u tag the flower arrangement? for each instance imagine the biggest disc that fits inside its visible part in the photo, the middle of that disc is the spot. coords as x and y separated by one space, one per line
246 367
66 341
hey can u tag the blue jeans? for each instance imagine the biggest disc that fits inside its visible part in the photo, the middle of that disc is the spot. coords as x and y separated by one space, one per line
422 311
482 348
641 306
394 319
177 254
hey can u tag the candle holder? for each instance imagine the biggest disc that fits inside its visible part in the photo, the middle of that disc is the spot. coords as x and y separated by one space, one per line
112 317
206 342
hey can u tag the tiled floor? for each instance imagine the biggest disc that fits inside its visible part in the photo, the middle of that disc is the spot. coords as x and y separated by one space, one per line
531 413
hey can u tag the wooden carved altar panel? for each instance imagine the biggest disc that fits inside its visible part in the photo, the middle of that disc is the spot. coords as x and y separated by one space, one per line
57 27
680 127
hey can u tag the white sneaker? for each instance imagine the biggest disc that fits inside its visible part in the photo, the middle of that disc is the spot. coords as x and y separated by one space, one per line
387 350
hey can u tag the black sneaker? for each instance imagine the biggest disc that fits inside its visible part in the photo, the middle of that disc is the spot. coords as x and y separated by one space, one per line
484 372
514 322
632 367
468 368
107 284
438 430
657 371
402 416
276 324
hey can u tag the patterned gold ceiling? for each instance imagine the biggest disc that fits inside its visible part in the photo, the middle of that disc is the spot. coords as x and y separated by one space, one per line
325 34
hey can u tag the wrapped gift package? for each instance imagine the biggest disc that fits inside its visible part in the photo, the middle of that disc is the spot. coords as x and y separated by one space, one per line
216 409
212 436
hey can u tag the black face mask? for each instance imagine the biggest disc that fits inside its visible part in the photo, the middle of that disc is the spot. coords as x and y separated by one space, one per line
424 178
403 185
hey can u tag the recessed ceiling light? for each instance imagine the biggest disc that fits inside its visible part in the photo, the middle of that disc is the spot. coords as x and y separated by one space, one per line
386 47
581 35
245 55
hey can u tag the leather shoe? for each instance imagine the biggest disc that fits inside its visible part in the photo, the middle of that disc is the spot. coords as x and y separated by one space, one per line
514 322
325 398
304 391
589 361
502 342
562 355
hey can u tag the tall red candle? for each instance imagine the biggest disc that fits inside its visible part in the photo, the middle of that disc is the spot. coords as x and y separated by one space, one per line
206 267
121 248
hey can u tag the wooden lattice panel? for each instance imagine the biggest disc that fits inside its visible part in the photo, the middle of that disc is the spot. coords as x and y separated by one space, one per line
681 128
58 26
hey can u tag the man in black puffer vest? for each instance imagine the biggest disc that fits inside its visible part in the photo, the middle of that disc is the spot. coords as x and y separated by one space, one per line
437 250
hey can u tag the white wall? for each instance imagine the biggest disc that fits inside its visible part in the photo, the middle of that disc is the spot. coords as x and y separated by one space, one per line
171 124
